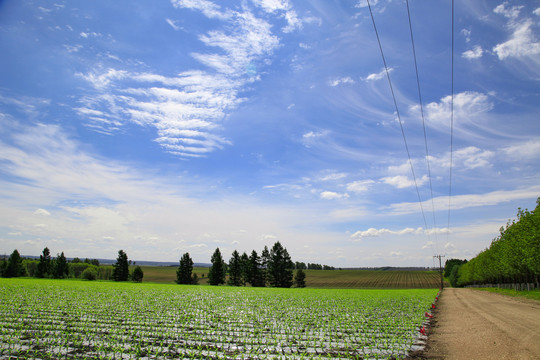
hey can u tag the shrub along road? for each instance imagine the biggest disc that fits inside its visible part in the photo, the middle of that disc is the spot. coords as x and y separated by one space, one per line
471 324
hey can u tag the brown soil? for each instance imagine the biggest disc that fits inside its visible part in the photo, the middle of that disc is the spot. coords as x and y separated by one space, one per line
472 324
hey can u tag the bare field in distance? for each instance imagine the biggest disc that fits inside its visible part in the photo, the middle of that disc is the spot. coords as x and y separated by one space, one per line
330 279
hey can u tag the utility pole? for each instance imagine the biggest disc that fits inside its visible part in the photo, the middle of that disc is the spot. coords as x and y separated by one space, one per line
440 268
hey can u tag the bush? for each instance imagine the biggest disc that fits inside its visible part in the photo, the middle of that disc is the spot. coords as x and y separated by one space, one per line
89 274
137 274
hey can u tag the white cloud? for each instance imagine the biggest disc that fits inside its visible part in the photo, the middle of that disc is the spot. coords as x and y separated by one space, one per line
526 151
341 81
467 201
377 76
42 212
372 232
467 105
508 12
475 53
311 137
467 34
331 195
537 11
364 3
208 8
173 24
333 176
359 186
186 110
522 42
402 182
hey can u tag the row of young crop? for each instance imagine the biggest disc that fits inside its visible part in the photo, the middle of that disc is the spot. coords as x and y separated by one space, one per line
106 321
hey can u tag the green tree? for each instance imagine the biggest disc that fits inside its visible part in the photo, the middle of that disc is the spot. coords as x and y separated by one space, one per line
280 267
235 269
137 274
255 272
61 268
183 273
89 273
450 263
44 268
216 273
14 266
300 278
244 269
121 267
265 259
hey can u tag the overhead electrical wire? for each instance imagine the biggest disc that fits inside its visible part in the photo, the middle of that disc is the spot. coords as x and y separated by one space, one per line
397 113
423 126
451 127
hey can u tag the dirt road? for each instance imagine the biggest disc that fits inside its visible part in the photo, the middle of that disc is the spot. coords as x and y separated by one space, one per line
472 324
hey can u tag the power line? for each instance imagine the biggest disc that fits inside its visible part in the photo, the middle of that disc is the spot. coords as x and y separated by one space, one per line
423 124
451 126
397 113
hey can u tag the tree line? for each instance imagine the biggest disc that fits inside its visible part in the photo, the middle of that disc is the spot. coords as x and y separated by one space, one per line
60 268
273 268
512 257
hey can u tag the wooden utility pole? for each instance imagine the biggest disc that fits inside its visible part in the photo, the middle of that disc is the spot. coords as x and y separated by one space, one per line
440 268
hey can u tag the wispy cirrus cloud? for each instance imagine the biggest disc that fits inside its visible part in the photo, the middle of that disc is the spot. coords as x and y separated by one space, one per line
187 110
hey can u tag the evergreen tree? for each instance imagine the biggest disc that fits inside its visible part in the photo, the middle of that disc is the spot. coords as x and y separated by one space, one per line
265 258
61 268
235 270
183 273
14 265
44 268
244 269
137 274
255 271
121 267
280 265
300 278
216 273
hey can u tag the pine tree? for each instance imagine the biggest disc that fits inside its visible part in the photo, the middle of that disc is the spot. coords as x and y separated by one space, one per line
183 273
216 273
280 265
15 266
235 270
121 267
255 272
300 278
244 269
44 268
265 258
61 268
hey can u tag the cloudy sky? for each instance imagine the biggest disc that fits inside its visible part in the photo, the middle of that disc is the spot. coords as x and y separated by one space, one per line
178 126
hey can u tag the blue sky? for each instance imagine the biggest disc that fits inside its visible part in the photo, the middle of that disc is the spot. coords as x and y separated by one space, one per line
180 126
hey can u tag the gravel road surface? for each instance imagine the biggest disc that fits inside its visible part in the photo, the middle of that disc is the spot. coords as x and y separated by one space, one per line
472 324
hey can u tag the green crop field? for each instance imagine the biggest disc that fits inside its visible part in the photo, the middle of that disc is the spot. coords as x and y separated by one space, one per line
332 279
66 319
